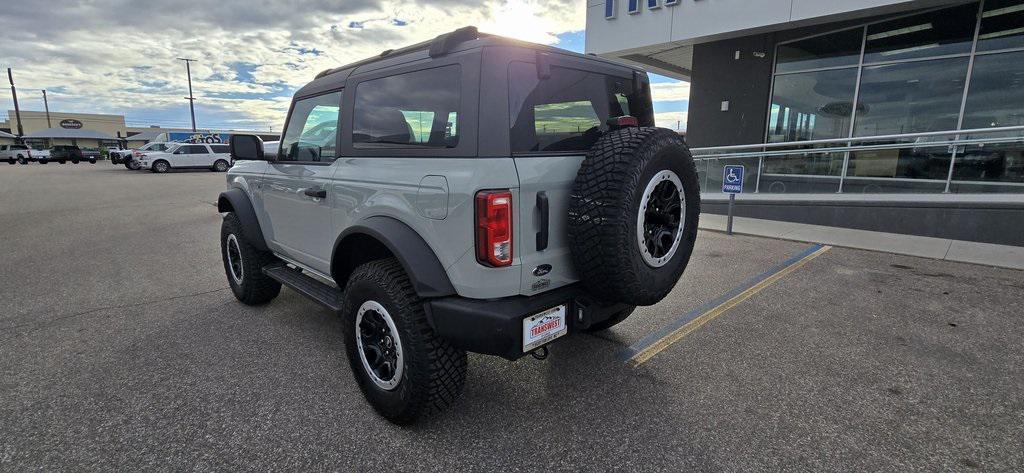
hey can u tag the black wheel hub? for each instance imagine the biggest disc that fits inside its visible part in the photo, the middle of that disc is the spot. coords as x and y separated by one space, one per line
378 345
662 219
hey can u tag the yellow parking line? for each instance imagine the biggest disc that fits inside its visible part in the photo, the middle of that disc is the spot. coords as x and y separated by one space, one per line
658 341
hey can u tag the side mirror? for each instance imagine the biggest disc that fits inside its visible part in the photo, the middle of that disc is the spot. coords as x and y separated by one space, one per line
246 147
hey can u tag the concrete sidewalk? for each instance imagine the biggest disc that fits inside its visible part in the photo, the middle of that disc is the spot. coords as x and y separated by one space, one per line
937 248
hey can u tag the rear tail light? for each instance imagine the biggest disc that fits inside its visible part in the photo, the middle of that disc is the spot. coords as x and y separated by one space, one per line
494 228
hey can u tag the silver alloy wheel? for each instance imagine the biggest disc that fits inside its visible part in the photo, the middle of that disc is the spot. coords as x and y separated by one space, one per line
378 344
234 259
220 166
661 218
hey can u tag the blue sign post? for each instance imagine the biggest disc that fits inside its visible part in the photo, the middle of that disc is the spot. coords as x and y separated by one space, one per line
732 184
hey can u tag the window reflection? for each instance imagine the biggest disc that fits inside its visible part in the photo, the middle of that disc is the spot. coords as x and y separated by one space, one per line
990 167
802 173
937 33
1002 25
996 97
922 168
911 97
835 49
812 105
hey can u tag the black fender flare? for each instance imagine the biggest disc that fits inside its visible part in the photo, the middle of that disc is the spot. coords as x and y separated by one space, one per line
425 271
237 201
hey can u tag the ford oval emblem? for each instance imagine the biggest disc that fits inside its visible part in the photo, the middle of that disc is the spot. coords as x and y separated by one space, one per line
542 270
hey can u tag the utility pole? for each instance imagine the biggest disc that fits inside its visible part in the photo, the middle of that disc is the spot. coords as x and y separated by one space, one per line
17 111
191 99
46 104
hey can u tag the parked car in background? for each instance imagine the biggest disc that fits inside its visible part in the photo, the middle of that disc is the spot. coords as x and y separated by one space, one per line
15 154
128 157
215 157
65 153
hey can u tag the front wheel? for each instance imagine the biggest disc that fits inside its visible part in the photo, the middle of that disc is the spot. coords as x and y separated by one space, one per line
74 161
92 160
161 167
22 160
11 161
43 161
403 368
244 264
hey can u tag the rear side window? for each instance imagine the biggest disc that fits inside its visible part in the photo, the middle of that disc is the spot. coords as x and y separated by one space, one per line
220 148
19 147
567 111
195 149
412 110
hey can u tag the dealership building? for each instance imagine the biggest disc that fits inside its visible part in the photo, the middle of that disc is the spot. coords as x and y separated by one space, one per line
90 130
897 116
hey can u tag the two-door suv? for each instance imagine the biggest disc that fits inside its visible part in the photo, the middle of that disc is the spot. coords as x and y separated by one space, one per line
470 193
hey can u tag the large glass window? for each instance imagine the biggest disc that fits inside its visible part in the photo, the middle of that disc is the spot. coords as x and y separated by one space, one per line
989 167
936 33
996 97
812 105
412 110
567 110
312 129
910 97
1002 25
830 50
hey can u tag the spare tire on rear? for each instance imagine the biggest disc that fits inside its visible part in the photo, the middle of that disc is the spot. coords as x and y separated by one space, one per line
633 215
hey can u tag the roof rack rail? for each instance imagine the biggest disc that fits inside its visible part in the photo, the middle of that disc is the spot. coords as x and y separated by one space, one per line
444 43
439 46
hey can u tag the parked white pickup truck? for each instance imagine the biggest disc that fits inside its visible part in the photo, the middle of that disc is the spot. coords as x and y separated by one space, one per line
15 154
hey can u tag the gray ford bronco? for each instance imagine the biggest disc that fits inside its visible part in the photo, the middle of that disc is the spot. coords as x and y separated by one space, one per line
470 193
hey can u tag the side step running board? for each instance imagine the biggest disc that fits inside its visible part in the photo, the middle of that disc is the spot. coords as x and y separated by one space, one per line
320 292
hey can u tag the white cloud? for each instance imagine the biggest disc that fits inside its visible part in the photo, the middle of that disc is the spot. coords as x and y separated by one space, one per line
119 56
670 91
673 120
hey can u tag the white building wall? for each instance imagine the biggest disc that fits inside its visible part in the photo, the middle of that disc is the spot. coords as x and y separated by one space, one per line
696 21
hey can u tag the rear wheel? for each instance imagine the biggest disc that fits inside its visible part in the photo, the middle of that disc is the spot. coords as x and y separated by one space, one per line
22 160
403 368
43 161
221 166
11 161
74 161
92 160
244 264
134 165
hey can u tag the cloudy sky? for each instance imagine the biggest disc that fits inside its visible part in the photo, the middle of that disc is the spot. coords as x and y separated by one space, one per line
119 56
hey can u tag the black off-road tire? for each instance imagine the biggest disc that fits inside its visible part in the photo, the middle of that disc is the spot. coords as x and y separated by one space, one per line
612 321
254 288
434 372
605 207
22 160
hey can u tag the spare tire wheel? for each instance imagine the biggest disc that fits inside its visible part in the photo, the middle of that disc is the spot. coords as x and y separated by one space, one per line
633 215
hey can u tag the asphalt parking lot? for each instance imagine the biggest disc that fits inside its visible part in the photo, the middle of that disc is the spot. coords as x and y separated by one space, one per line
121 347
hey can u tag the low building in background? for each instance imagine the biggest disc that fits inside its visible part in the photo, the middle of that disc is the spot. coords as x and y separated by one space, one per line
900 116
98 131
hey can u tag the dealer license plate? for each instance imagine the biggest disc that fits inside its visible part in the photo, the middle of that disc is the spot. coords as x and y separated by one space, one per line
544 327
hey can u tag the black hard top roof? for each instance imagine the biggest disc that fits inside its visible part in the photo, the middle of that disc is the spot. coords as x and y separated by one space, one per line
461 39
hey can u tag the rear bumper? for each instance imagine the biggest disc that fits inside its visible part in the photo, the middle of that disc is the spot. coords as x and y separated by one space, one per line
495 326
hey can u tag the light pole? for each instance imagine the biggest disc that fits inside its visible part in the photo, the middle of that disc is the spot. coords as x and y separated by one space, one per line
191 99
14 93
46 103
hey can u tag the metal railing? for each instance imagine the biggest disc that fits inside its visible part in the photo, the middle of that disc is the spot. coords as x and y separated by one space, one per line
839 153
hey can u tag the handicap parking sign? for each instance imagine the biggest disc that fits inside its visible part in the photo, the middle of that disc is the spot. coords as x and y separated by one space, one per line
732 180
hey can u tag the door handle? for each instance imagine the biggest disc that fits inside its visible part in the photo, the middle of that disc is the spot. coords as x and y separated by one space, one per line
316 192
